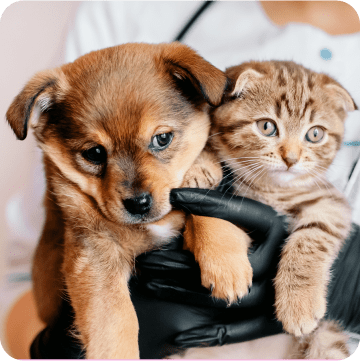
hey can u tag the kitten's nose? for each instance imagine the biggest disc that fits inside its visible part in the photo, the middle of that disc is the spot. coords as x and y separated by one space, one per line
139 205
290 160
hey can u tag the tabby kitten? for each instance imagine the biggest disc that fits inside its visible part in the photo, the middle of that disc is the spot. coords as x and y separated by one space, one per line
279 129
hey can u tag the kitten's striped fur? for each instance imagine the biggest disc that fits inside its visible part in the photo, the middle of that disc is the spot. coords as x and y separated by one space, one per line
287 171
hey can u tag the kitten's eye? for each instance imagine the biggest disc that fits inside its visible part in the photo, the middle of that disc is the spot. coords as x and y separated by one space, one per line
315 134
96 155
161 141
267 128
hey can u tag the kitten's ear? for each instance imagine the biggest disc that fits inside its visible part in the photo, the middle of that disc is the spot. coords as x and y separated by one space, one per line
34 99
245 80
341 96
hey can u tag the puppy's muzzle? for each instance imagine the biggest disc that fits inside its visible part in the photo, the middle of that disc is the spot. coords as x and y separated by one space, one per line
139 205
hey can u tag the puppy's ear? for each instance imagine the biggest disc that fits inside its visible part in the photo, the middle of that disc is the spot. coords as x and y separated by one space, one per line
35 98
197 78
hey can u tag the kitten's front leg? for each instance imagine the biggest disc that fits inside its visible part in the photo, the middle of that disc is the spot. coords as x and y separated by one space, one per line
300 285
304 268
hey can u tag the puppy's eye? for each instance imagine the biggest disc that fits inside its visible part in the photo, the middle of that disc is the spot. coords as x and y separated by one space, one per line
96 155
161 141
267 128
315 134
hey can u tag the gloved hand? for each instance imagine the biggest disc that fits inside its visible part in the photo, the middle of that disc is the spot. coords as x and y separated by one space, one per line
170 280
179 313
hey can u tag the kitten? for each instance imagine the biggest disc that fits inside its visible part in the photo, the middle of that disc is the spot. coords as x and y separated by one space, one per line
279 129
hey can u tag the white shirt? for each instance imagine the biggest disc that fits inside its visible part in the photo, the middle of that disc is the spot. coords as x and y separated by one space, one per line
226 34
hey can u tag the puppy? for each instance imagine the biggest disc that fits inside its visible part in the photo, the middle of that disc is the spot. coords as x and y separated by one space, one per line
119 128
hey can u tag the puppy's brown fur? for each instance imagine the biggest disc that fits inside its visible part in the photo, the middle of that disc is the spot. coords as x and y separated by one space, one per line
119 98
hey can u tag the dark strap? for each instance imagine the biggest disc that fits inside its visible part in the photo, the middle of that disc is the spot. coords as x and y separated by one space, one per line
353 168
191 22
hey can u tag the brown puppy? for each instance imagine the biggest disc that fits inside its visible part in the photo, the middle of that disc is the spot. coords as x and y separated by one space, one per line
119 128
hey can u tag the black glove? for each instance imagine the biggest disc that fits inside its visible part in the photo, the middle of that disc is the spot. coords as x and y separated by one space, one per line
182 311
168 289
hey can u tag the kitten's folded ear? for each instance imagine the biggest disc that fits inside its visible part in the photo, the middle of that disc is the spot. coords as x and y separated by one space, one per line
245 76
193 75
245 81
34 99
340 94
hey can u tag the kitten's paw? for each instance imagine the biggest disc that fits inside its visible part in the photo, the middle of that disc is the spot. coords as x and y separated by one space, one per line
206 172
300 313
199 176
228 279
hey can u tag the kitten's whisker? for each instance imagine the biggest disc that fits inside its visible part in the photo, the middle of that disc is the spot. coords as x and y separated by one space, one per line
239 166
234 170
324 169
322 175
246 166
331 169
250 170
238 158
233 181
337 165
233 165
226 166
262 172
248 158
324 182
253 179
214 134
318 177
246 175
320 166
314 180
251 161
226 160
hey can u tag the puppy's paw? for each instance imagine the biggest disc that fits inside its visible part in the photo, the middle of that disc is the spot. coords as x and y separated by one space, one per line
300 311
220 248
229 278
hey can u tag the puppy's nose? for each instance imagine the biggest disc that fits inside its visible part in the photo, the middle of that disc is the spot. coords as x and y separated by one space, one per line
138 205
